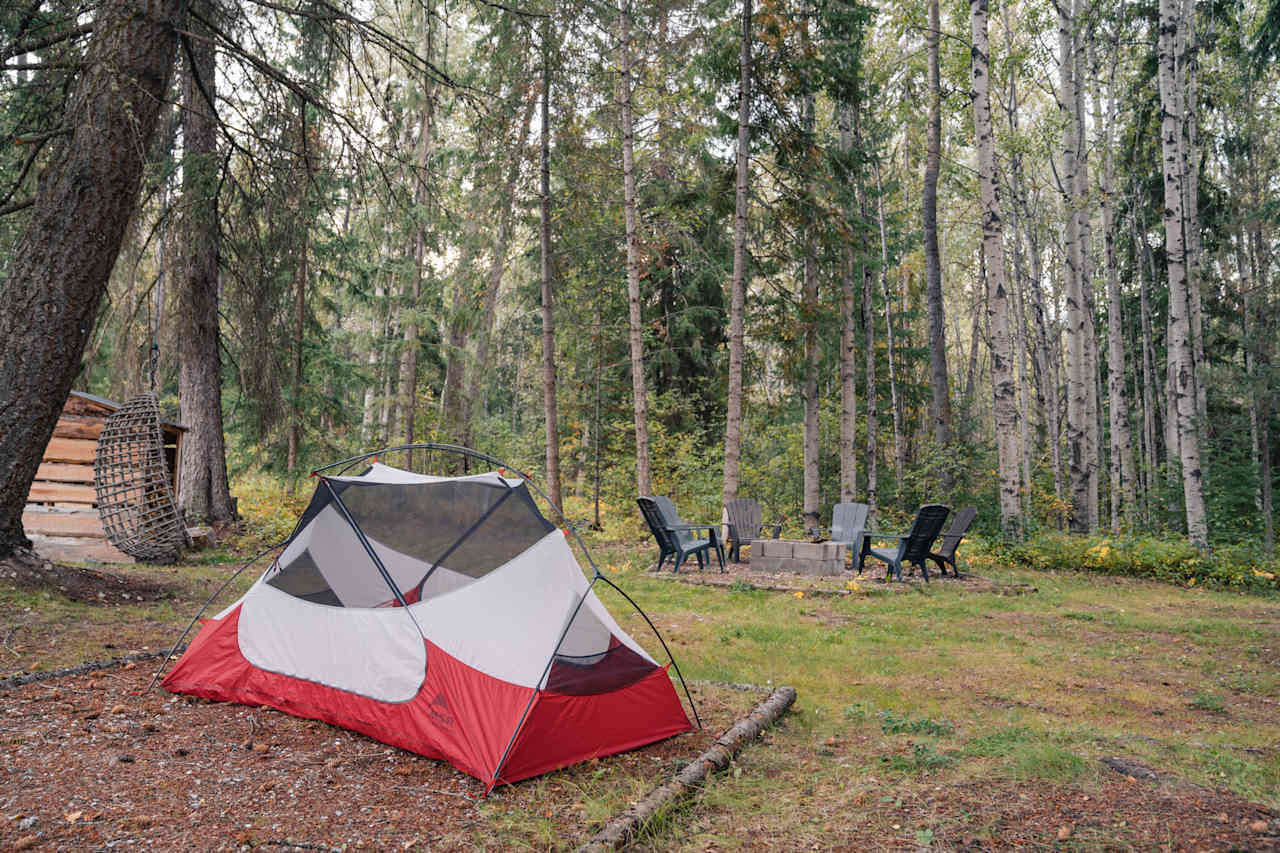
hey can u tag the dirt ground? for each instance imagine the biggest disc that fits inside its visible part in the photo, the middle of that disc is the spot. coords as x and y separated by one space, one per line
29 570
872 579
87 764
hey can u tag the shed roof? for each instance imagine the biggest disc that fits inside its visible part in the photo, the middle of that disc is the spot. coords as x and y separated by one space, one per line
113 405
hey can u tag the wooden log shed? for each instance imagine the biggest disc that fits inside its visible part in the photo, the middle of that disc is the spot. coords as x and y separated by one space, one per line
61 515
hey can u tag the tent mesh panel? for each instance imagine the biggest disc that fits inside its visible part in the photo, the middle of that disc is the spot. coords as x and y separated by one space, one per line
135 502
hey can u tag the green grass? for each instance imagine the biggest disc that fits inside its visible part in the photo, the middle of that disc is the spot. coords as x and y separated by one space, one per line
903 693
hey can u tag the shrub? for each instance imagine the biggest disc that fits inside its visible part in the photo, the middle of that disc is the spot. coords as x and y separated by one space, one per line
1170 560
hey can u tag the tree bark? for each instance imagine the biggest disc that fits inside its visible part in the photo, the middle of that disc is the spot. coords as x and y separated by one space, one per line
738 285
1002 374
869 372
993 251
59 267
1181 359
1077 346
493 279
644 479
1149 383
1090 374
899 440
932 258
550 408
1123 495
421 195
809 323
1189 65
848 343
203 493
300 273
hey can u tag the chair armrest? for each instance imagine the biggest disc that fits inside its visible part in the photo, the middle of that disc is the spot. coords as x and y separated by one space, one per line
693 527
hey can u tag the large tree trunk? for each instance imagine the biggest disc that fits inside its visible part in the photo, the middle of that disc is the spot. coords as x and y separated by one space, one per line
203 493
941 411
848 345
738 286
644 479
1181 359
59 268
1079 450
550 408
1002 376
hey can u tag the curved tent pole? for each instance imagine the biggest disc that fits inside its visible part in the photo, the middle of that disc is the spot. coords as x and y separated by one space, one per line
537 687
345 464
670 656
373 555
217 592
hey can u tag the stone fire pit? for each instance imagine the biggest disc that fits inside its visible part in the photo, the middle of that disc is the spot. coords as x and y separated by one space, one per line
801 557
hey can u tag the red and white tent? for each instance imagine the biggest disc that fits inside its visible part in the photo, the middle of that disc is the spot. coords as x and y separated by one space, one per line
443 615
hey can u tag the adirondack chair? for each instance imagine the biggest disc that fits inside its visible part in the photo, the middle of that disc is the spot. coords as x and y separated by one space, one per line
848 525
675 538
745 526
951 540
913 546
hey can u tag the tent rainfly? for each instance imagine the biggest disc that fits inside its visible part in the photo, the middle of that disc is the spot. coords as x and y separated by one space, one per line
443 615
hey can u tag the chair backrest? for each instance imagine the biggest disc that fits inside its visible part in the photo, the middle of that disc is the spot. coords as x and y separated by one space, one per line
959 527
919 540
848 521
657 524
744 517
671 519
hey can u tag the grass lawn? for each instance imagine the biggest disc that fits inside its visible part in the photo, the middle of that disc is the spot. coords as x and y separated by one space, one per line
943 718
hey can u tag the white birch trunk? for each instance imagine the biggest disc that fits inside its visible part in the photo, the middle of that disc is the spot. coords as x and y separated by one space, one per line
1002 374
1181 359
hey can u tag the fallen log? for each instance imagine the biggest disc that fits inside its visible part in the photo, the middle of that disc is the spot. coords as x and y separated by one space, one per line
625 826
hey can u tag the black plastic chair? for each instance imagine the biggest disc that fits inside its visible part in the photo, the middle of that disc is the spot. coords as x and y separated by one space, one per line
951 540
675 538
745 525
914 545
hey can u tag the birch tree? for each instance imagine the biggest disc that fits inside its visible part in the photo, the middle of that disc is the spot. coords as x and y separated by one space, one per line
1002 372
1181 359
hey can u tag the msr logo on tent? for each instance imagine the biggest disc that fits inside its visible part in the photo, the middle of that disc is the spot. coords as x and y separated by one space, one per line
439 712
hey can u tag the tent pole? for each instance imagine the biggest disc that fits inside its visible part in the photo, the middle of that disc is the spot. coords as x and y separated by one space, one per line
537 687
386 576
217 592
344 464
670 656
